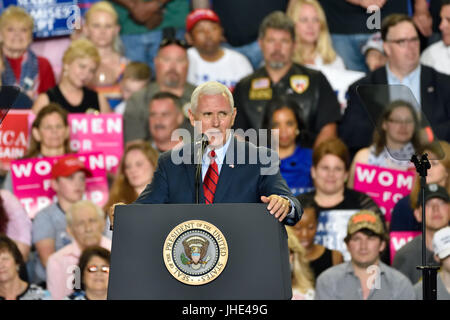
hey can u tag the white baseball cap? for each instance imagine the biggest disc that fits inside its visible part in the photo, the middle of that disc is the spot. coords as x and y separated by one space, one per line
374 42
441 243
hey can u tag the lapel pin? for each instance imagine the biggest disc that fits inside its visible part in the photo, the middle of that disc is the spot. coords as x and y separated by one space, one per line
430 89
232 166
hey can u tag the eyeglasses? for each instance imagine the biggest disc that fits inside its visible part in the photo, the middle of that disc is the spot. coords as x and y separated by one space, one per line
94 268
401 121
168 41
404 41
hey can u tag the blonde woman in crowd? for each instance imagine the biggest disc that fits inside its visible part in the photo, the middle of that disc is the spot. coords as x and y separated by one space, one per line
302 276
80 62
313 42
102 29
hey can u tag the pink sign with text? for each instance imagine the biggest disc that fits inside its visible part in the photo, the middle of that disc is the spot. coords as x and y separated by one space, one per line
398 239
31 181
14 133
98 133
385 186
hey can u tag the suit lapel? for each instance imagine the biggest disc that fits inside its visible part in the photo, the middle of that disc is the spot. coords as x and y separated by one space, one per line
226 173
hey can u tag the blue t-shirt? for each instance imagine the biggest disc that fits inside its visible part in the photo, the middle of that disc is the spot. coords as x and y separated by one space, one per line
296 170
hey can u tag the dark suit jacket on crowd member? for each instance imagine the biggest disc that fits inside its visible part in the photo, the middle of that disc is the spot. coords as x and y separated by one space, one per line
239 181
356 129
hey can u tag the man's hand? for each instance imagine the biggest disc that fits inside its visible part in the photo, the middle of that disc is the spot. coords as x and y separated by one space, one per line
367 3
278 206
111 213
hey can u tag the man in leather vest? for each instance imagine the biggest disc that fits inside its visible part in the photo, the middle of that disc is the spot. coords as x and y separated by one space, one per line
318 105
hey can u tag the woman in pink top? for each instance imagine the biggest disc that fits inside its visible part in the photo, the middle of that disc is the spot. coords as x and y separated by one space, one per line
15 222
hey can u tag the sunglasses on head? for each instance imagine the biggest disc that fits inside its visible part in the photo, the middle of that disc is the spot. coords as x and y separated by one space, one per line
94 268
168 41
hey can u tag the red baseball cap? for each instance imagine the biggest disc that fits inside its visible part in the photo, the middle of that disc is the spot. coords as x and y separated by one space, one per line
66 166
198 15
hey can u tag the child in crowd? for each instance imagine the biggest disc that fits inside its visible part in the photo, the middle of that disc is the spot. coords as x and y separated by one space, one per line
135 77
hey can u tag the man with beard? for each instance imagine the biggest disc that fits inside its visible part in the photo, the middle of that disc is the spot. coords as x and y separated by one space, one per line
318 105
208 60
165 116
171 65
364 277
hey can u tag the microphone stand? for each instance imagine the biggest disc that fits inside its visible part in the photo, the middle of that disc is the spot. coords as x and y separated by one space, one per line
198 172
429 273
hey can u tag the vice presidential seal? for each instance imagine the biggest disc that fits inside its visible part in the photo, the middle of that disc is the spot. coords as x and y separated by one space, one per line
195 252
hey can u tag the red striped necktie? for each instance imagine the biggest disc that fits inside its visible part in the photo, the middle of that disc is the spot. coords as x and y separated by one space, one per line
211 179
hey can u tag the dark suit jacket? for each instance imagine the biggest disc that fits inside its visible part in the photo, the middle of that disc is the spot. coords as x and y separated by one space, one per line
240 180
356 129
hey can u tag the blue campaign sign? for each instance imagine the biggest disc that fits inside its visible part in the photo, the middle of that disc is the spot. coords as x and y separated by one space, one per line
52 17
332 229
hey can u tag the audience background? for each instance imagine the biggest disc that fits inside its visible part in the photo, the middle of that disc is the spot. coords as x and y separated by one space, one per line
130 51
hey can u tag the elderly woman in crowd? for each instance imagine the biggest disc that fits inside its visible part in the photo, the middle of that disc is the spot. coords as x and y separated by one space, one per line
80 62
12 287
33 74
94 274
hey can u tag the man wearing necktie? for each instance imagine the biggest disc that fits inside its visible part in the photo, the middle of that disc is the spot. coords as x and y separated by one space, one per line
233 171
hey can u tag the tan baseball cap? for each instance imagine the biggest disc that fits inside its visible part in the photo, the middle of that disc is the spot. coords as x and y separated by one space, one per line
365 219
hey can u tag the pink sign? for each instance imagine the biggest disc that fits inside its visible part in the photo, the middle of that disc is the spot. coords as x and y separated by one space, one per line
101 133
398 239
31 181
14 132
385 186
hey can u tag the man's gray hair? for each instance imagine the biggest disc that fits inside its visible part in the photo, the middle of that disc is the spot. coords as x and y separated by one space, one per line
210 88
277 20
83 204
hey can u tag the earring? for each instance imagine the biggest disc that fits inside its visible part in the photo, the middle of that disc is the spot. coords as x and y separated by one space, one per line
297 132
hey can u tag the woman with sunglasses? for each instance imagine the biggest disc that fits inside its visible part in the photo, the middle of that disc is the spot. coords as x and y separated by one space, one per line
94 272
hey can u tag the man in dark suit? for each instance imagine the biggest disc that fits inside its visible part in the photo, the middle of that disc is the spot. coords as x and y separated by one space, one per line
430 88
233 171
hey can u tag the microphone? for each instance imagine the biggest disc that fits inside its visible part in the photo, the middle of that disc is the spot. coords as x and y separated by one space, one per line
203 140
201 143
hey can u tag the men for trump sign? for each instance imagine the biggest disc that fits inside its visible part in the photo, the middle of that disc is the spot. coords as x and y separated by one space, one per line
31 181
103 132
385 186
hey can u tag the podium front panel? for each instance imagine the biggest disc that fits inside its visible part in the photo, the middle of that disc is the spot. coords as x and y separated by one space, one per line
258 256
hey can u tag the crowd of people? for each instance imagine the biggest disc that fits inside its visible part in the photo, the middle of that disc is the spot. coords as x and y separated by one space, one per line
295 67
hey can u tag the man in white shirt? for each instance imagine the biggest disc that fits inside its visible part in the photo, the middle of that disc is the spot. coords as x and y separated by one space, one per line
437 55
208 60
